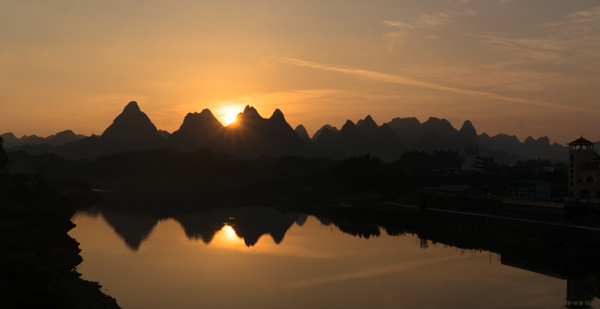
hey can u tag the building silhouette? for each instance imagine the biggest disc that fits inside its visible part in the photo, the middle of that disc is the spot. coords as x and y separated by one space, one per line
584 175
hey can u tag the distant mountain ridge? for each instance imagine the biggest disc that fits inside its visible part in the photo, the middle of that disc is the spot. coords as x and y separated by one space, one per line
60 138
252 136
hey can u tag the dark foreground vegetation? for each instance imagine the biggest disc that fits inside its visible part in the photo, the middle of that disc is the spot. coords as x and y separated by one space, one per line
355 177
38 260
166 180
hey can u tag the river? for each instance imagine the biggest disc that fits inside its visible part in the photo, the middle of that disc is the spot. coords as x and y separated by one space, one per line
258 257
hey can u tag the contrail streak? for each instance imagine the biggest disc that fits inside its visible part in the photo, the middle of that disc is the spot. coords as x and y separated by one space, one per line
411 82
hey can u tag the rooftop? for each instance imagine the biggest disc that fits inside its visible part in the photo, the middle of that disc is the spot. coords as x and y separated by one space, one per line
581 141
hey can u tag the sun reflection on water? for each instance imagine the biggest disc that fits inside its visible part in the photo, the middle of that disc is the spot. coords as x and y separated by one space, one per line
227 237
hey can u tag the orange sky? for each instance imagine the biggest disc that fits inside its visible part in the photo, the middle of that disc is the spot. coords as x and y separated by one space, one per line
510 66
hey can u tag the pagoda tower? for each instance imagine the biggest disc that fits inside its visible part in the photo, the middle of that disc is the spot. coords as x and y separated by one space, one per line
584 176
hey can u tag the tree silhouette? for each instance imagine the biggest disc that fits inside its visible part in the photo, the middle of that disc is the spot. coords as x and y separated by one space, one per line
3 156
359 173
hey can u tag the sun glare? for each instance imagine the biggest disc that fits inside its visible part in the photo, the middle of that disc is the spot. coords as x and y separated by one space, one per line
229 233
230 118
227 238
228 113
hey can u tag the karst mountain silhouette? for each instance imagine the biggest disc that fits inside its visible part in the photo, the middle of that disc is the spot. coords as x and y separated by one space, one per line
252 136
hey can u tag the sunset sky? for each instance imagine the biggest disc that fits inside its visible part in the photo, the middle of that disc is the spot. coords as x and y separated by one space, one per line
523 67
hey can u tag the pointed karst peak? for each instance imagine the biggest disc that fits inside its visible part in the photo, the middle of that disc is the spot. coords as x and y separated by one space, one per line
317 134
249 113
206 112
204 118
249 110
542 141
131 126
368 123
301 130
132 107
349 128
468 129
277 115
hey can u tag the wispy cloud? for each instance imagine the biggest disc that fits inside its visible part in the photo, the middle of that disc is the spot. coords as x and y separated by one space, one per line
397 79
577 23
423 24
425 21
485 78
573 40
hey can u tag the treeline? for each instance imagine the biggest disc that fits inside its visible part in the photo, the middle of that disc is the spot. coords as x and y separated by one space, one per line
359 175
164 162
415 170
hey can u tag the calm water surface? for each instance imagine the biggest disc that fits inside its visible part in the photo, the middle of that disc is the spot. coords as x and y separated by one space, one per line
260 258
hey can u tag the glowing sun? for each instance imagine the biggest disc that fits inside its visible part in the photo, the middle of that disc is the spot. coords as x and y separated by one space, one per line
228 113
228 233
229 118
227 238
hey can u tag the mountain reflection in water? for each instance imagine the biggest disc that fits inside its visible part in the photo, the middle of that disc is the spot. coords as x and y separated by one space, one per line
310 262
249 224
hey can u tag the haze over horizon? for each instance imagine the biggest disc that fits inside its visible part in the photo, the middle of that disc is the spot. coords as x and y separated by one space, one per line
524 68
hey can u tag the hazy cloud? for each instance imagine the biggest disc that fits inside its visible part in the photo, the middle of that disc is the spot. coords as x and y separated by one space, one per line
397 38
574 39
425 21
384 77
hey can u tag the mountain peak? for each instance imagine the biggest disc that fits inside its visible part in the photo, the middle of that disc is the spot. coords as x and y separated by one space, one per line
542 141
196 131
301 130
317 134
441 127
468 129
249 110
249 113
368 124
62 138
9 135
132 107
206 112
131 126
277 115
203 118
349 130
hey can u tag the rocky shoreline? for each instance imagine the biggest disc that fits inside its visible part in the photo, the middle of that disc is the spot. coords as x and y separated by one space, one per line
38 260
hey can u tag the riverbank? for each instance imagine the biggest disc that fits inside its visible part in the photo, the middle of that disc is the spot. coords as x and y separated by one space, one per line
461 230
360 214
363 215
38 259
